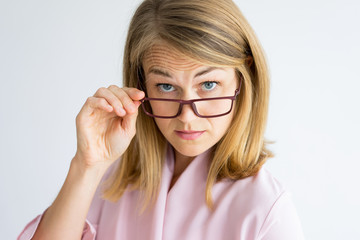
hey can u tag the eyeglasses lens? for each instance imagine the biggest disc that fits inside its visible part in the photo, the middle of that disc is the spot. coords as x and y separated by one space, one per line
205 108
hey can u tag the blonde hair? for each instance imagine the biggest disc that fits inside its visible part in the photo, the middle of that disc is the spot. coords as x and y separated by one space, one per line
213 32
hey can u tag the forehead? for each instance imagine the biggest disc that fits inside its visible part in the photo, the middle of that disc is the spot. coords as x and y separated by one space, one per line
165 56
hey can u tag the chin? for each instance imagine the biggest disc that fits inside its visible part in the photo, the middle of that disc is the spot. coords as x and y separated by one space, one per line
190 150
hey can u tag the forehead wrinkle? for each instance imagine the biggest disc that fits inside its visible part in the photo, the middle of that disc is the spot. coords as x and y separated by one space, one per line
164 57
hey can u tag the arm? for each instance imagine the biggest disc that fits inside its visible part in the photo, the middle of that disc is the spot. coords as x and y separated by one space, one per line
282 222
105 127
65 218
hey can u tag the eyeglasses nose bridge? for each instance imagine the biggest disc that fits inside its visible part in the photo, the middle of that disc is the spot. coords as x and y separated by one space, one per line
192 105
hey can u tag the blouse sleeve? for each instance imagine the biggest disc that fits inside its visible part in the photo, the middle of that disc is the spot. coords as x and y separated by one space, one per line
89 231
282 222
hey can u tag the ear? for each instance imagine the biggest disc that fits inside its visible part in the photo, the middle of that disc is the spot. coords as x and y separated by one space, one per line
249 60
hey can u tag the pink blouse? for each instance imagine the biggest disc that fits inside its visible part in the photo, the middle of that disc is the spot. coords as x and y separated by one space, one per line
252 208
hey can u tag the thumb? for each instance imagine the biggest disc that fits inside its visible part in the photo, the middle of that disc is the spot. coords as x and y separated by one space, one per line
129 120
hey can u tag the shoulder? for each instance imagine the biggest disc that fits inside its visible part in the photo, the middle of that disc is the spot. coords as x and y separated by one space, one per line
264 187
262 204
254 194
261 189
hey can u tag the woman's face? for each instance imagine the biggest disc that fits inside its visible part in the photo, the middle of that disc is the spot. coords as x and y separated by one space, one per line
170 74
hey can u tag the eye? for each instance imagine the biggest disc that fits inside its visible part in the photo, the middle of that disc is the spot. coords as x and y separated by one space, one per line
207 86
165 87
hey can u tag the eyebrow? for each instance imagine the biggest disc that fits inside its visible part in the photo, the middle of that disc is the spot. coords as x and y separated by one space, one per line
209 69
166 74
160 72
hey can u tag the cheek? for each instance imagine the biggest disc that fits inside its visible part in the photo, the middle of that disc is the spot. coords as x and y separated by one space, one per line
150 90
221 125
159 108
162 124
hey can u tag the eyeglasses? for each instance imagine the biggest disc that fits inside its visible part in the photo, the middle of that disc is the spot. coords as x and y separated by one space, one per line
203 107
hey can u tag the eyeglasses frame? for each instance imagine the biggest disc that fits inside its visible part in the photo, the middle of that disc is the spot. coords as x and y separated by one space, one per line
191 102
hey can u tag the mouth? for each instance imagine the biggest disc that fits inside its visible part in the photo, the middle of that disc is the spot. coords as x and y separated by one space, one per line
189 135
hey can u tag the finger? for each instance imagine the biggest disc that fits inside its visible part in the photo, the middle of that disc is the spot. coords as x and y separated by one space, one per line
113 100
129 123
100 103
134 93
93 103
137 103
128 96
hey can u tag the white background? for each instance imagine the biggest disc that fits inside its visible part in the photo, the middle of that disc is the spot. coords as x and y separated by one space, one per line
54 54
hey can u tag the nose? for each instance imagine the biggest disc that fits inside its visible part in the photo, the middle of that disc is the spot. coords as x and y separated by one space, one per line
187 113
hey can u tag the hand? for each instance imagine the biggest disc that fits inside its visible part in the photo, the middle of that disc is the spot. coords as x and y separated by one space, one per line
105 125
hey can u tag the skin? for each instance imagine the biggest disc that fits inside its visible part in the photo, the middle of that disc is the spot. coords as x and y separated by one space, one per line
185 78
106 124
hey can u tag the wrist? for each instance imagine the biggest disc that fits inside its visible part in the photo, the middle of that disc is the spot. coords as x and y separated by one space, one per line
91 175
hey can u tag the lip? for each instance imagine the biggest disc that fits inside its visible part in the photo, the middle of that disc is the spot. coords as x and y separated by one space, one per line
189 135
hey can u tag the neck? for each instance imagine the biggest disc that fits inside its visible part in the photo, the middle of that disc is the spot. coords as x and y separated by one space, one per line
181 163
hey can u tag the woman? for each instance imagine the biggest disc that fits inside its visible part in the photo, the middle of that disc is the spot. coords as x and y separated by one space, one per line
188 165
